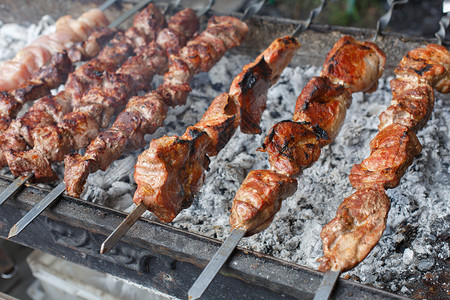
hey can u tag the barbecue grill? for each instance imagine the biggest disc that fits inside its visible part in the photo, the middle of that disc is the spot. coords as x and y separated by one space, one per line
169 259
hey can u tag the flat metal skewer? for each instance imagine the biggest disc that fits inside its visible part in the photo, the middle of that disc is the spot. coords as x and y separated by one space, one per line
216 263
37 209
129 13
107 4
326 287
123 227
14 187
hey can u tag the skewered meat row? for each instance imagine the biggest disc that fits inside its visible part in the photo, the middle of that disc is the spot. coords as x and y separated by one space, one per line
170 173
17 71
292 146
144 114
50 75
49 110
361 218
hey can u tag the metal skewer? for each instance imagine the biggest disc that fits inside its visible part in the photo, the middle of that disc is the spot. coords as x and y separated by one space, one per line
216 263
14 187
129 13
107 4
384 20
132 218
444 22
327 285
37 210
123 227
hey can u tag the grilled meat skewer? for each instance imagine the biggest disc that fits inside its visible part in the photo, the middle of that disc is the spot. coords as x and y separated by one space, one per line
68 31
361 218
144 114
295 145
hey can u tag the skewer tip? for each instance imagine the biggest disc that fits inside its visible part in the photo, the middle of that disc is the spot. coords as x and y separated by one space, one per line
13 232
104 248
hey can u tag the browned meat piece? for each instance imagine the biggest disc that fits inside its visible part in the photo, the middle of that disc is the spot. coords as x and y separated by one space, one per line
44 112
29 122
51 142
199 54
430 64
181 28
55 106
278 55
392 151
410 107
9 107
46 78
29 91
229 29
89 48
359 223
355 65
115 52
30 161
152 111
80 127
219 122
53 74
179 72
293 147
169 174
141 68
101 102
149 22
259 198
323 104
249 89
185 23
84 78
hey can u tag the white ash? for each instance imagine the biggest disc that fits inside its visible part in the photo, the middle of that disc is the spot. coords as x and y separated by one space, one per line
416 238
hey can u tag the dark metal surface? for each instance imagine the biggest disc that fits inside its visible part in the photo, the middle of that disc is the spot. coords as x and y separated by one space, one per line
160 256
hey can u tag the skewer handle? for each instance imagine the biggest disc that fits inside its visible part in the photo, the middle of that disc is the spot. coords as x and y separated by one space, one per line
37 210
123 227
216 263
14 187
129 13
327 285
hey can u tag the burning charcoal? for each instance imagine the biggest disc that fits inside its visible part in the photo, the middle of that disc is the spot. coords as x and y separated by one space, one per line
119 188
425 264
408 256
95 194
